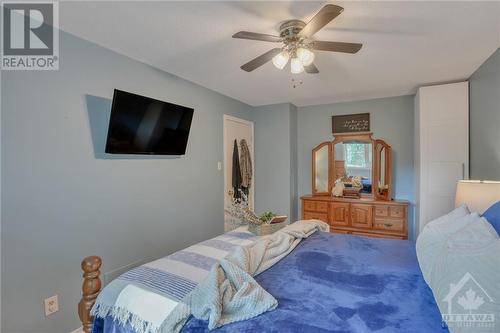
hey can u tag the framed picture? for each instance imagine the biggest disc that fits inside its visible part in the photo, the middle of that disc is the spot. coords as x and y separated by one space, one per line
351 123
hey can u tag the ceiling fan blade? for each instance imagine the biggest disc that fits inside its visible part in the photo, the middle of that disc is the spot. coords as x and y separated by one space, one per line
322 18
257 36
336 46
260 60
311 69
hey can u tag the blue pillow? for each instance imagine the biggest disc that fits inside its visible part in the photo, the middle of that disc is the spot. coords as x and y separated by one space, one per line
492 214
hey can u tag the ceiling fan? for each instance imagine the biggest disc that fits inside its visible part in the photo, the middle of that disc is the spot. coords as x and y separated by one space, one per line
298 44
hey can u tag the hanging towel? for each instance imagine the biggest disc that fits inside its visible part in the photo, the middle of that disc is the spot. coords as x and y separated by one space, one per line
236 176
246 166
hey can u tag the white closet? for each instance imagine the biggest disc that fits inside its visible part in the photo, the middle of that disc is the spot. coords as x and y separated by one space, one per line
442 148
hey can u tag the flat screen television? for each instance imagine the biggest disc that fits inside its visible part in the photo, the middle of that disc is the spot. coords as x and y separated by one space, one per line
143 125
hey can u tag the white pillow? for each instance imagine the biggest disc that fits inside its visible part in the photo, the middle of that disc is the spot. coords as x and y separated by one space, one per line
433 241
473 237
458 212
424 238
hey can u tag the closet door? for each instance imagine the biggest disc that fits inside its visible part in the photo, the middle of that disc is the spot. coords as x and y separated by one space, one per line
442 147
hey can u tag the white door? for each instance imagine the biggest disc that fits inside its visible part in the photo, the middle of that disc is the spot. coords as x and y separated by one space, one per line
443 116
236 129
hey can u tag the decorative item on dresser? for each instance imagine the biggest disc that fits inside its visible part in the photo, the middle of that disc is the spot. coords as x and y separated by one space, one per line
366 207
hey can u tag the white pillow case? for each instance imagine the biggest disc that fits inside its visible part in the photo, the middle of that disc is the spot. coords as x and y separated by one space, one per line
458 212
463 251
425 238
432 241
472 237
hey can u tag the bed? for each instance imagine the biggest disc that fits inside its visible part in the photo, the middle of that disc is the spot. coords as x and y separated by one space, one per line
333 283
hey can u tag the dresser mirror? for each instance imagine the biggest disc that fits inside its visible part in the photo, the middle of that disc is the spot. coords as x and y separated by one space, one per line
361 163
383 171
321 166
353 164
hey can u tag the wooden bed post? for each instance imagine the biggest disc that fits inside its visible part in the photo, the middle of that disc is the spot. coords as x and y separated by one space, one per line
90 290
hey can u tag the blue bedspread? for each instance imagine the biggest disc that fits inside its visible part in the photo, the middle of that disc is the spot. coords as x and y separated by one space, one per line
338 283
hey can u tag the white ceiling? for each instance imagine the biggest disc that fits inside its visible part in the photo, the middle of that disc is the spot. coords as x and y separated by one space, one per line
406 44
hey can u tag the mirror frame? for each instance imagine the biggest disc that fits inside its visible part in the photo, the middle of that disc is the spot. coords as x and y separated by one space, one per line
377 146
317 148
360 137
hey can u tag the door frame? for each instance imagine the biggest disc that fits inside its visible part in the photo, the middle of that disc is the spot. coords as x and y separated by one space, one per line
225 119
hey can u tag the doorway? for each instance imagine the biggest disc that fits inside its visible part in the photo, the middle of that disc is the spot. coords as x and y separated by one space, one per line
236 129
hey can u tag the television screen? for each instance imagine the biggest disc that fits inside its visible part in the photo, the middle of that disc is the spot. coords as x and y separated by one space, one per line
143 125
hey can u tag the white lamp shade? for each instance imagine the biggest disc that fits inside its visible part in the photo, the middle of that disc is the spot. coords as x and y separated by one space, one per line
281 59
296 66
478 195
305 56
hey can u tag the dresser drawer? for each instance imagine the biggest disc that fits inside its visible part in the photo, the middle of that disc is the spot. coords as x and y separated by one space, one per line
388 224
389 211
316 206
382 211
310 205
316 216
397 211
322 207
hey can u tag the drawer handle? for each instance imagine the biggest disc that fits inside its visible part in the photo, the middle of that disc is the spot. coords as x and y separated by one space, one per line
388 224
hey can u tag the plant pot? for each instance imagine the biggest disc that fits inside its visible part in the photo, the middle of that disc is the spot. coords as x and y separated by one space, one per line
268 228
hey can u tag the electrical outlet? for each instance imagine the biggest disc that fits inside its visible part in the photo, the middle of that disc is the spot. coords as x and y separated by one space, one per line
51 305
219 165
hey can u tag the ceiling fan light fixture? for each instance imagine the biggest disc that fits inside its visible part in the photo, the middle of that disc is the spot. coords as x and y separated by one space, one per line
306 56
281 59
297 42
296 66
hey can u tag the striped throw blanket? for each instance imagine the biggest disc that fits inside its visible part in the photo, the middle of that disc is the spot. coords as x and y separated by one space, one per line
145 295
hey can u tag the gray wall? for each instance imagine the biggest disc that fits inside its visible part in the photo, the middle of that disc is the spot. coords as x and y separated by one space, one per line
391 120
275 142
485 120
63 199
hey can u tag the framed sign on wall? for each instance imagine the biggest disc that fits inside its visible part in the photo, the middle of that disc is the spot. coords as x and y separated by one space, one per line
351 123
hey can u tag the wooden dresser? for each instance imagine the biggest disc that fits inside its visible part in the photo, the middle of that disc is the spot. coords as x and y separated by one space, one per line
365 216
